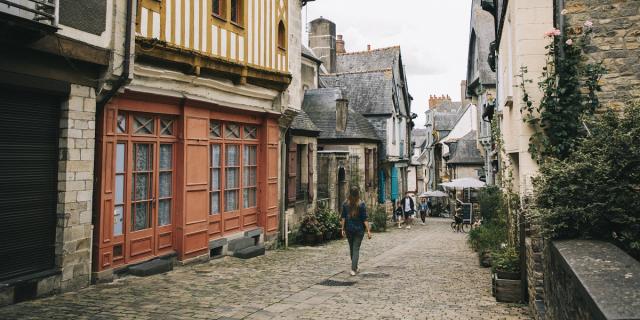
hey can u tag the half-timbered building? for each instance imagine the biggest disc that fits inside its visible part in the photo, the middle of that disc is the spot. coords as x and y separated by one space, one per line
189 152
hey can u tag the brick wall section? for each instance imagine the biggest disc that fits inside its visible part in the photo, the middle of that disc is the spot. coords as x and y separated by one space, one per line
615 42
75 187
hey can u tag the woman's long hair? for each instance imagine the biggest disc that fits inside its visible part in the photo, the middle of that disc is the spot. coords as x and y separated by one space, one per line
353 201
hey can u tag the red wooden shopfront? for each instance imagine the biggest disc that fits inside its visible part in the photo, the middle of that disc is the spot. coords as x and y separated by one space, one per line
175 174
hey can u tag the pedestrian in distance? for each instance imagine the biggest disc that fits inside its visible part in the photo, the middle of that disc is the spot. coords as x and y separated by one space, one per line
398 213
354 223
423 210
408 206
429 207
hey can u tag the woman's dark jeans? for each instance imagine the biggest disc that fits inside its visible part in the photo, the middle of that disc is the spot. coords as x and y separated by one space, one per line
355 240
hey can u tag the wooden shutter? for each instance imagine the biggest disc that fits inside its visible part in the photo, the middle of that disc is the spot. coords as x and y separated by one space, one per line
311 170
291 173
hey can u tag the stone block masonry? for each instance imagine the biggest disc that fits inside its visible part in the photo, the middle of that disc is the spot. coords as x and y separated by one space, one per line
75 186
586 279
615 43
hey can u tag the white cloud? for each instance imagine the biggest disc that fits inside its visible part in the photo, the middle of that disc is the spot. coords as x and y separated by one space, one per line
433 36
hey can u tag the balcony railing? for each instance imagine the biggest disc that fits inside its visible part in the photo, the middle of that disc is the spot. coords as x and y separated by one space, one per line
42 11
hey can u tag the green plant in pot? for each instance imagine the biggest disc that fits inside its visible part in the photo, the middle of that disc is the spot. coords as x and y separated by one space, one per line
330 222
506 263
311 230
378 219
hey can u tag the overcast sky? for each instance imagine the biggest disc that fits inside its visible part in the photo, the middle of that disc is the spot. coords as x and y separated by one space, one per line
433 36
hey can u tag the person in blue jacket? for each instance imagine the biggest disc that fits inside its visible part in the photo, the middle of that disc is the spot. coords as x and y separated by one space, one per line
354 223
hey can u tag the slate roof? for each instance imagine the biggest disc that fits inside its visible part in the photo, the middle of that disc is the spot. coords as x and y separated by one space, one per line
465 150
320 105
377 59
303 122
368 92
306 52
369 77
446 115
419 136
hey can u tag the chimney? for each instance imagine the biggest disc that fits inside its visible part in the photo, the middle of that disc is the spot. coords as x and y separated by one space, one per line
340 45
322 41
368 47
435 101
342 113
463 90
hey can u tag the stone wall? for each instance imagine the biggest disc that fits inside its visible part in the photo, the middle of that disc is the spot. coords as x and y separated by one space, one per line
615 42
587 279
75 187
534 247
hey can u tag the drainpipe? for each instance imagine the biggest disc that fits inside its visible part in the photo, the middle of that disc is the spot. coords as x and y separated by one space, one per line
126 64
124 76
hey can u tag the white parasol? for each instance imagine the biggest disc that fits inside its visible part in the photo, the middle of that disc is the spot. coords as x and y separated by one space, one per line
464 183
435 194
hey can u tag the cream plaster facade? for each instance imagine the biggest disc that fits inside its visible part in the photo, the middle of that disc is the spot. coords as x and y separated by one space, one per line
522 44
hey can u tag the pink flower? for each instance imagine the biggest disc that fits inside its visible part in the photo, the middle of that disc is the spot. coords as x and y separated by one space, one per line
588 24
569 42
564 11
552 33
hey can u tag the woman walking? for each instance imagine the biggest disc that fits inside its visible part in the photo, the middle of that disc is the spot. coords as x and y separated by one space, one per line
354 223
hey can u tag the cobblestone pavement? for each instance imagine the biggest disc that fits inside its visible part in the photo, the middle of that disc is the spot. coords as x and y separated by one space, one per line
426 272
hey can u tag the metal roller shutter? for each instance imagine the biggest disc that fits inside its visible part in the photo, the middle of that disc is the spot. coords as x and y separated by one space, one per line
28 182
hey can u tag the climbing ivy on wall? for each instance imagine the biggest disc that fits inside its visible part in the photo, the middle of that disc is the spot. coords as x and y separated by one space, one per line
569 85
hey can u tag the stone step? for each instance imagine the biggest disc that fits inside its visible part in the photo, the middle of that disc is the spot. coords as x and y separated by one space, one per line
250 252
152 267
240 243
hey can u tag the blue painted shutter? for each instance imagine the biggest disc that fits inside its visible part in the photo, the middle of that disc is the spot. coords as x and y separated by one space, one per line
394 182
381 186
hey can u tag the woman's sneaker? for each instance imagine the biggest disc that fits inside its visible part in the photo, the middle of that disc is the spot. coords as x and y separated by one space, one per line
352 273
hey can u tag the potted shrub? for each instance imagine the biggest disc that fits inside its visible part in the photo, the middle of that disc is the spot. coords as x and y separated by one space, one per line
378 219
311 230
506 275
330 223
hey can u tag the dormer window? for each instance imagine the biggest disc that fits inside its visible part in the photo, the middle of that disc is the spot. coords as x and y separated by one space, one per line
282 36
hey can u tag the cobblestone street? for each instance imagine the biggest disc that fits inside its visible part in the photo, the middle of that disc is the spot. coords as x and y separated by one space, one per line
426 272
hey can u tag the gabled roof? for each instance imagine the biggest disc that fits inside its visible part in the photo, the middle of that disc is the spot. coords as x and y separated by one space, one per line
377 59
369 92
302 122
307 53
419 136
320 105
446 115
465 150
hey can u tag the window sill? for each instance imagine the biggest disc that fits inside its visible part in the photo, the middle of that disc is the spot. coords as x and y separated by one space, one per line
222 19
237 25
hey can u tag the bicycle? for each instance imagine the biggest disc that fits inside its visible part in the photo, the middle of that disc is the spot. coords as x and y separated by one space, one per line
461 226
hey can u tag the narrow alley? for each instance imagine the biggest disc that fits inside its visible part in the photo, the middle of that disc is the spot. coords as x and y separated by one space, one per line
427 272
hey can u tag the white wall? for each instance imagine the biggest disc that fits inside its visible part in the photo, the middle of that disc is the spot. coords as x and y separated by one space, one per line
522 44
294 94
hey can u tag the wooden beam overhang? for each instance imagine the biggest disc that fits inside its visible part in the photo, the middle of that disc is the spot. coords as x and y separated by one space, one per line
195 63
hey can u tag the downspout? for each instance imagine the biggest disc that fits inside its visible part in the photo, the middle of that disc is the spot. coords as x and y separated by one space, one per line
122 79
126 64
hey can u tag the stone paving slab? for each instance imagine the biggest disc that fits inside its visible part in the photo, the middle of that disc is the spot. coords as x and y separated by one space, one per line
426 272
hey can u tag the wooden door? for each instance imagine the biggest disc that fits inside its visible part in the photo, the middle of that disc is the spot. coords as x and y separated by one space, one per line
142 204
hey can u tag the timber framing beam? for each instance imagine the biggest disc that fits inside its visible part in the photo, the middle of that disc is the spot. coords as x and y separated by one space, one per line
195 63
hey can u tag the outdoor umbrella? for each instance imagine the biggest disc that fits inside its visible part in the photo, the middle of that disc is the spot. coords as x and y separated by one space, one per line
464 183
435 194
